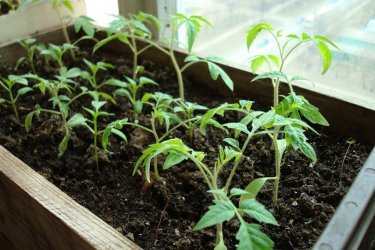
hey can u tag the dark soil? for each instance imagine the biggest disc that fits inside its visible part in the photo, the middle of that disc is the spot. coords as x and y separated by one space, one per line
162 216
4 8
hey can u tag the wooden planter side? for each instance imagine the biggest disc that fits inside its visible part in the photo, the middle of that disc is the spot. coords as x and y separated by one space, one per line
346 119
34 214
353 224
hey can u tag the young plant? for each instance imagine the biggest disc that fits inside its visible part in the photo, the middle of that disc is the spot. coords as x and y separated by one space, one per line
249 235
130 88
292 106
141 33
188 110
57 52
92 124
8 85
58 90
92 78
126 30
30 47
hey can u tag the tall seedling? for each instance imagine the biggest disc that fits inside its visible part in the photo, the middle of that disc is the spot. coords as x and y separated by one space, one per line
292 106
224 209
137 31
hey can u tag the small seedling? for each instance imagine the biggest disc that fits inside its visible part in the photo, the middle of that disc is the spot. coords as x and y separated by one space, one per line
56 52
296 106
93 126
126 30
130 89
349 142
188 110
61 102
30 47
8 85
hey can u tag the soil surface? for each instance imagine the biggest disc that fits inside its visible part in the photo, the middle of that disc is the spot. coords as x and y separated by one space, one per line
4 9
161 216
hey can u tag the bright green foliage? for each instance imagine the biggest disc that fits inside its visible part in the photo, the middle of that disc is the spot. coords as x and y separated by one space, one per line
92 124
8 85
128 31
59 91
191 24
188 110
57 52
130 89
289 112
30 47
91 77
291 42
223 210
86 24
214 69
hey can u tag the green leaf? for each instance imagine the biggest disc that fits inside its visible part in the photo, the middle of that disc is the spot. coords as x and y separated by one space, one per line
271 75
86 24
115 83
173 158
216 71
123 37
63 145
223 210
326 55
257 62
326 40
237 192
119 134
251 238
281 146
253 32
308 151
191 58
254 187
237 126
23 91
76 120
257 211
233 142
312 114
147 81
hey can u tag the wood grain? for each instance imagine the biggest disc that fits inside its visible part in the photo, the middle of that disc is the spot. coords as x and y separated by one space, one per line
34 214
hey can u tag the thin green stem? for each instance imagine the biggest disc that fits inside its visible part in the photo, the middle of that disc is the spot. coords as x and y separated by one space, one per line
65 32
277 166
236 164
13 102
96 155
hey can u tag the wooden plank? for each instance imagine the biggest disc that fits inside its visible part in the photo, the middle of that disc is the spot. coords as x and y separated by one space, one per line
34 214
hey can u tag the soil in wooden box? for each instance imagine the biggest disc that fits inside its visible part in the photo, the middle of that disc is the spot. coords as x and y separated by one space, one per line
162 216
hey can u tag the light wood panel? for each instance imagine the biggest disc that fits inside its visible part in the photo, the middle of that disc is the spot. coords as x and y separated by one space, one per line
34 214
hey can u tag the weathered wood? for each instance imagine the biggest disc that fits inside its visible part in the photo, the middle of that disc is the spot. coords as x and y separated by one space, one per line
34 214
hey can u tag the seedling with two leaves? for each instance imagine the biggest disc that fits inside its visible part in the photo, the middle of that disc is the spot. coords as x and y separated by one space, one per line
8 85
130 89
30 47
